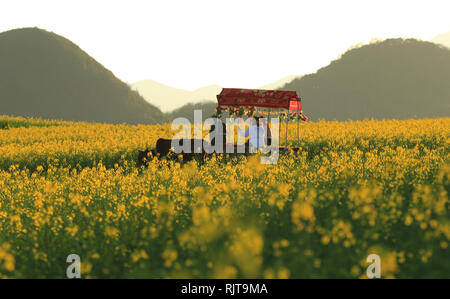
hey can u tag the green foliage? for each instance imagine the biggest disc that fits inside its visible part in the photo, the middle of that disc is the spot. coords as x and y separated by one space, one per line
18 122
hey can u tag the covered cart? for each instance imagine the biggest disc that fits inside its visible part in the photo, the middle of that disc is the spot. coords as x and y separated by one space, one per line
284 104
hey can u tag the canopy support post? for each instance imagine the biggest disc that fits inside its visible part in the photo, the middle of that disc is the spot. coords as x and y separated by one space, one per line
298 125
269 121
287 124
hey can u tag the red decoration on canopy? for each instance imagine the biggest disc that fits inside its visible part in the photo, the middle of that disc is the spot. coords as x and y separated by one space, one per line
295 104
287 99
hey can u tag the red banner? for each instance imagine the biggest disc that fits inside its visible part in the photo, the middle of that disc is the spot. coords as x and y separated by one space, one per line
295 104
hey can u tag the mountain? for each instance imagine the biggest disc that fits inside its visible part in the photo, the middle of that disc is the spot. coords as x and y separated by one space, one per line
443 39
169 98
395 78
45 75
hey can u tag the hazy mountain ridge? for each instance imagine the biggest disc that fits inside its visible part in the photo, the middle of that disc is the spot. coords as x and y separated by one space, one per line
279 83
45 75
169 98
187 110
442 39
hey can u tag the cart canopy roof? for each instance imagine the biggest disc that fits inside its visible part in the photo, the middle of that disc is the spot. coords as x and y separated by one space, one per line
286 99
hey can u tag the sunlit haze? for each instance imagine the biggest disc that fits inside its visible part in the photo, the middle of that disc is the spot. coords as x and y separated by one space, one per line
190 44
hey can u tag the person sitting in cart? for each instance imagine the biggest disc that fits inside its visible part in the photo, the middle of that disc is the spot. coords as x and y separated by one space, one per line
257 132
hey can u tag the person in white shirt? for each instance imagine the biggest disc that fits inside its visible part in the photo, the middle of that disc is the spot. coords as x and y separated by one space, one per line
256 132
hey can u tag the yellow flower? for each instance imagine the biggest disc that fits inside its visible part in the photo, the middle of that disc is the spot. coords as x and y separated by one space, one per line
283 273
72 230
7 258
138 255
112 232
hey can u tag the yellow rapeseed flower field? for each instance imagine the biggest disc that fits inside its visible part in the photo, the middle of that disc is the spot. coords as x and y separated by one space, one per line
354 188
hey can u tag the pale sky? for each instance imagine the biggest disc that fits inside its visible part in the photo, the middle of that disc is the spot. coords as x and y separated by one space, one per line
242 43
